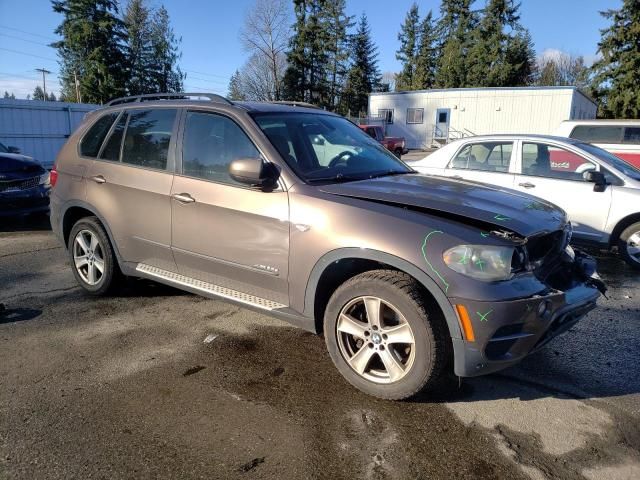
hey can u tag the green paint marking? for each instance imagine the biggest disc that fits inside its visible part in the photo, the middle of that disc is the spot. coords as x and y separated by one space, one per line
529 307
465 259
484 316
501 218
480 264
424 254
484 234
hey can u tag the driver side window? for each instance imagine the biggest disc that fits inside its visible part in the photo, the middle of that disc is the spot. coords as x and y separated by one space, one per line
550 161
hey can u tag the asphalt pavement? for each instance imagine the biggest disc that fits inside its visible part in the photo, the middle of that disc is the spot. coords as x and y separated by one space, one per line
158 383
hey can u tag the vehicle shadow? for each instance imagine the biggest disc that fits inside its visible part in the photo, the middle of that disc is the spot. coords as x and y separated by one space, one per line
11 315
140 287
30 223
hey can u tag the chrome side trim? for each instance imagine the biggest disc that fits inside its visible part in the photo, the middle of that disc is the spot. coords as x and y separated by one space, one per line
208 288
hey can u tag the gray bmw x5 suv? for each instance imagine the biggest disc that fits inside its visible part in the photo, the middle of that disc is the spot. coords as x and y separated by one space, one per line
296 212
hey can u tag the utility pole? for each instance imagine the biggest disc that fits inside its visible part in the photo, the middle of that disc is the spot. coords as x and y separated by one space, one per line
44 82
75 81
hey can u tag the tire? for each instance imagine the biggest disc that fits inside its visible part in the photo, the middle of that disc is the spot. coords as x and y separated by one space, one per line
398 153
628 242
422 363
91 256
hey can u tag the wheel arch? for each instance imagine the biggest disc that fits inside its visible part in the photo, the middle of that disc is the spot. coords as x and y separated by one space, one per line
337 266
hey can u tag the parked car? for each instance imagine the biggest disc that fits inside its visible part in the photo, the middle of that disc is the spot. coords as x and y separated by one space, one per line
408 276
620 137
24 184
599 191
393 144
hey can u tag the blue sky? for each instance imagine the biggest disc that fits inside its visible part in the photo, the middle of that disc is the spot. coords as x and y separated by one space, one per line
212 52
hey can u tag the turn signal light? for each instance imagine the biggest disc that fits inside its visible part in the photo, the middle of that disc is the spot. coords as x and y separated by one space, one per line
465 323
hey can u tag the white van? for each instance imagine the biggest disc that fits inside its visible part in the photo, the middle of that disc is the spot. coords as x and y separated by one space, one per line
620 137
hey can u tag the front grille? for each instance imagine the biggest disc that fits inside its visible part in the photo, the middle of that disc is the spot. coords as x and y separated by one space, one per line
23 184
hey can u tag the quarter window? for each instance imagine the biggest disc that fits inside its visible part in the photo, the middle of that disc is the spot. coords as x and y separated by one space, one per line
597 133
211 143
549 161
486 156
146 143
415 115
92 140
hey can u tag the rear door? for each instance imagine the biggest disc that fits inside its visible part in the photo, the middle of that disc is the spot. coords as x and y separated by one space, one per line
484 161
556 174
130 185
226 233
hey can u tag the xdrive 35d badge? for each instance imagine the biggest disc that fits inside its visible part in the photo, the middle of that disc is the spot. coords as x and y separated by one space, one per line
294 211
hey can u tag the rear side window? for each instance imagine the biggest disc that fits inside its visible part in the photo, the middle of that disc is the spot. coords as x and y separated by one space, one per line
486 156
111 149
211 143
92 140
597 133
146 142
632 135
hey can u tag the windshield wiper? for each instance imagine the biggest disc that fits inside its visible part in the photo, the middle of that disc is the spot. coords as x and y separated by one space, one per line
389 173
338 178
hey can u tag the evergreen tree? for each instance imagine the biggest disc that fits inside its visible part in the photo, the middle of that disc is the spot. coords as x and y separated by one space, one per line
501 53
38 93
52 97
562 69
235 87
455 29
91 48
139 49
295 77
427 55
338 22
165 73
407 53
364 75
616 73
9 96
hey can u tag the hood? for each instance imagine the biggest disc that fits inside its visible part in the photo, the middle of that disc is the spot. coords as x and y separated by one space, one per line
460 200
14 167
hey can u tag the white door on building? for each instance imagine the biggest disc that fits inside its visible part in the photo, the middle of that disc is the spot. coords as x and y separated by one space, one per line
484 161
443 118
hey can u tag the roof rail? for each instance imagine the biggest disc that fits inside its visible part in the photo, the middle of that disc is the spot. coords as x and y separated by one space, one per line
169 96
293 103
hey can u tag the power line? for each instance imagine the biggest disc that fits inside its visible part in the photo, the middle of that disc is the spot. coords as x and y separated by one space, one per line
28 54
28 33
25 40
226 77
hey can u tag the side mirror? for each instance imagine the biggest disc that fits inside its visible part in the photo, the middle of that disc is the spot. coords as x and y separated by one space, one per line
254 172
597 178
13 149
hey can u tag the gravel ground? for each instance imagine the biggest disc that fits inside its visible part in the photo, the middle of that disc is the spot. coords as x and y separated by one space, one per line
157 383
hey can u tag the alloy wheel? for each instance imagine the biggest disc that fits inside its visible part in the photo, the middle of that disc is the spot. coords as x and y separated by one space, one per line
88 257
375 339
633 246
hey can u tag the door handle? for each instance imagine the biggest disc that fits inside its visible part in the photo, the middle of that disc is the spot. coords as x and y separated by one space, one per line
527 185
98 179
183 197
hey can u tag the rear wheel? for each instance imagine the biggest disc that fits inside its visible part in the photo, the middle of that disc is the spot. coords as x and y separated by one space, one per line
92 258
629 245
381 337
398 152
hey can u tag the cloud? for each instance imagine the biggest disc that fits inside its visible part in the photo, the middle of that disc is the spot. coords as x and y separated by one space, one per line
557 54
22 86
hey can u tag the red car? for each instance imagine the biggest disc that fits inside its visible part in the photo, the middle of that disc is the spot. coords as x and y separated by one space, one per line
393 144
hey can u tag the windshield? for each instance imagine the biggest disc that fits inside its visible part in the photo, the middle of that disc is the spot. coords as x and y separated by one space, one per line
611 160
324 148
3 149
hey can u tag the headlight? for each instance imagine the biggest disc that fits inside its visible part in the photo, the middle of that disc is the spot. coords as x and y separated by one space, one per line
482 262
45 179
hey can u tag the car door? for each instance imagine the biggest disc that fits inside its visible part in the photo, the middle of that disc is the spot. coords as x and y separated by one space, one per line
130 185
225 233
483 161
556 174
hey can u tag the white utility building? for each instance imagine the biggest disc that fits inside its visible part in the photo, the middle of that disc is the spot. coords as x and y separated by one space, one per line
430 117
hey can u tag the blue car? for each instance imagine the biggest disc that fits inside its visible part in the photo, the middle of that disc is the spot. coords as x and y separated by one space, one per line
24 185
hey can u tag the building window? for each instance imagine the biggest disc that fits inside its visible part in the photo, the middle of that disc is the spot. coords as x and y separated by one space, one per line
415 115
386 114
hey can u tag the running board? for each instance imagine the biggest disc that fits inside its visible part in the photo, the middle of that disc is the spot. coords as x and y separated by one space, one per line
206 288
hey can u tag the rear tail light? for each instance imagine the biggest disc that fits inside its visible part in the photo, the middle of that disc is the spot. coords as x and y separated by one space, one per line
53 176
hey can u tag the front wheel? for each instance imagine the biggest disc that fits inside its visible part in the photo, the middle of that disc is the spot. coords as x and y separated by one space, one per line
381 337
92 258
629 245
398 153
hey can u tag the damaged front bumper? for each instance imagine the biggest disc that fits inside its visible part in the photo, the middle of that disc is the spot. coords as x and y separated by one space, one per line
505 332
